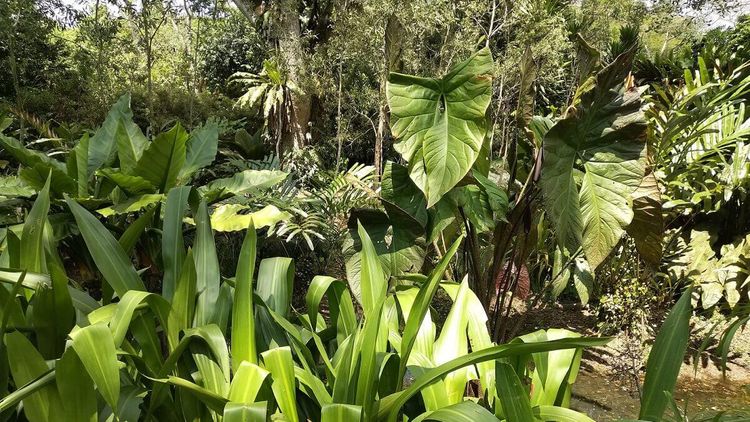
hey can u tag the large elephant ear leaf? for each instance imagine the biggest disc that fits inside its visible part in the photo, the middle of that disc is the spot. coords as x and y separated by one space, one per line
594 159
440 124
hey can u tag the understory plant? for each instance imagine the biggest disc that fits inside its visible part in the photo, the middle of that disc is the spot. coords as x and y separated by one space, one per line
208 346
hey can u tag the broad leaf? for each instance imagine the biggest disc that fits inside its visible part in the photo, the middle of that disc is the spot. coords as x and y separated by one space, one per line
163 159
104 145
440 124
594 159
201 149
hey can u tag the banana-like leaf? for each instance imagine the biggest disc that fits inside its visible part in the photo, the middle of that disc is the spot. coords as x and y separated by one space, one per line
201 149
241 412
665 359
243 315
440 124
95 346
279 362
104 145
338 412
594 159
110 259
76 388
163 159
206 268
32 248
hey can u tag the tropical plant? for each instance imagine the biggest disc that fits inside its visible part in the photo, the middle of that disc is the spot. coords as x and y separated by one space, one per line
157 356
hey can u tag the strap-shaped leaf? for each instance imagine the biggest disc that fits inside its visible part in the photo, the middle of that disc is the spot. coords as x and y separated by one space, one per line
594 159
95 346
440 124
243 316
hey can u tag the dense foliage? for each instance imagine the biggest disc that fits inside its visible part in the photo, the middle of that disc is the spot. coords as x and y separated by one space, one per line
341 211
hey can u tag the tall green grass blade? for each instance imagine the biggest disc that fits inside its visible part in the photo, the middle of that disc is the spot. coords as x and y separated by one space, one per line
130 237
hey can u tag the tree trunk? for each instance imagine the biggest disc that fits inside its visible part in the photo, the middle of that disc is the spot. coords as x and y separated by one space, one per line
289 36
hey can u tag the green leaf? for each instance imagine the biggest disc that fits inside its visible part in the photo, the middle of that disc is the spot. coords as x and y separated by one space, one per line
201 149
665 359
512 394
647 227
274 287
246 181
397 190
163 159
373 281
182 311
279 362
466 411
95 346
243 316
80 172
440 124
30 157
391 405
130 237
26 365
559 414
172 242
32 249
206 268
133 204
130 144
235 217
104 144
130 183
76 388
338 412
241 412
422 305
247 383
110 259
594 159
